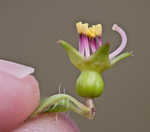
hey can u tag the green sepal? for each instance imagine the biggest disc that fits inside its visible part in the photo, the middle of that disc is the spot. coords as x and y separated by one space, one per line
120 57
100 60
75 57
97 62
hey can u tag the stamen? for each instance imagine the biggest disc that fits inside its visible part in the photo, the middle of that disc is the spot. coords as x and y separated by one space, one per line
98 29
91 32
93 48
99 39
87 37
83 40
123 43
81 46
86 46
85 28
79 27
93 45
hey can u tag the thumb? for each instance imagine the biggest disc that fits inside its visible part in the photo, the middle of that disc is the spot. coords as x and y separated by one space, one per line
18 96
49 123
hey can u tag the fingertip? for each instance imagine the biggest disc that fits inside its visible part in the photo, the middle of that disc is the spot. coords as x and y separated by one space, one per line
49 122
18 99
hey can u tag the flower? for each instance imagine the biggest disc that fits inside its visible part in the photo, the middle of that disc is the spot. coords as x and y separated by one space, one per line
92 54
90 37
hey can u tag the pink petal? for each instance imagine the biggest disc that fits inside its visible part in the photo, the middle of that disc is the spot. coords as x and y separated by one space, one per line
17 70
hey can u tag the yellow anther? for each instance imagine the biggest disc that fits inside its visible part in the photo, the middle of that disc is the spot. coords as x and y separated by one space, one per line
82 28
91 32
95 30
94 27
85 28
98 30
79 27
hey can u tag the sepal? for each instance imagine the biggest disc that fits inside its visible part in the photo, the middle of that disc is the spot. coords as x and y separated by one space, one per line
97 62
120 57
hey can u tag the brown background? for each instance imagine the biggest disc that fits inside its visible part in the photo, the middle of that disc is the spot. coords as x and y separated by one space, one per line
29 30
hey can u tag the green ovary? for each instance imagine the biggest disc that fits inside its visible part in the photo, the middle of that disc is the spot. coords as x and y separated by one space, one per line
89 84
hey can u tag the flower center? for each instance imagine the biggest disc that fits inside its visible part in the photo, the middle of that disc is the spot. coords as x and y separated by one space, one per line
90 37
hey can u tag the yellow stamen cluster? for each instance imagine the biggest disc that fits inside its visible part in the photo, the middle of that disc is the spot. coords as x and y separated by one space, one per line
92 32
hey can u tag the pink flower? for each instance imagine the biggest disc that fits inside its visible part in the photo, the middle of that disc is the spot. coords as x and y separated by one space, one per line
91 37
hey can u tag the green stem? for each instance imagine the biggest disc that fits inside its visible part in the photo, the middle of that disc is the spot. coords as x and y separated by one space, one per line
58 103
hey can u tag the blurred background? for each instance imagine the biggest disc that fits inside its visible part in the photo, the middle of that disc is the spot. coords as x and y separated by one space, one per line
29 30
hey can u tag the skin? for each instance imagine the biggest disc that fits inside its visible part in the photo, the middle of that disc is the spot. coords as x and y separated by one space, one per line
49 123
18 99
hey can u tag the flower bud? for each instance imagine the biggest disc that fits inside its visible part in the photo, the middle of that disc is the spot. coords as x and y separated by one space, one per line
89 84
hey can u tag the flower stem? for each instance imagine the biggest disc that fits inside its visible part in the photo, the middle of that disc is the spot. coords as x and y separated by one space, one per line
51 104
90 104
